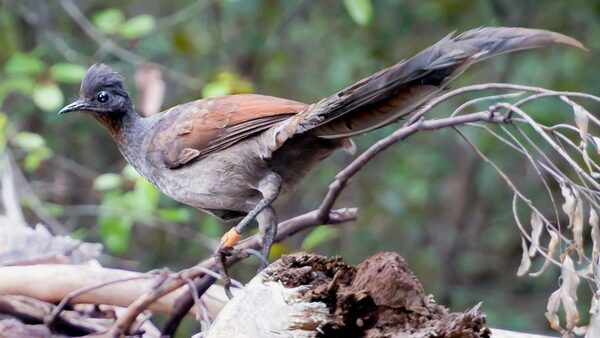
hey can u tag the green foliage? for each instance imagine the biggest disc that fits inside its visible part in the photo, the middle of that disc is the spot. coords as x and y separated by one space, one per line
129 199
177 215
227 83
29 141
145 197
115 228
21 84
67 72
108 181
361 11
48 96
211 228
34 146
137 27
112 21
23 64
109 20
27 74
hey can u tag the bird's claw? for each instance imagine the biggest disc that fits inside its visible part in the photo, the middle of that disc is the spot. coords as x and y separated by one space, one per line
222 253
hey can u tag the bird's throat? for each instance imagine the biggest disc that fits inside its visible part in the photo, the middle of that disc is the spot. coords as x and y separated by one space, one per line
117 124
124 129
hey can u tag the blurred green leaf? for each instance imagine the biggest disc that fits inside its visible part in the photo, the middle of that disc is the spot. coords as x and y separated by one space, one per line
47 96
178 215
277 250
22 84
115 232
213 89
67 72
29 141
35 146
3 122
131 174
36 157
182 41
227 83
79 233
361 11
24 64
146 196
55 209
318 236
137 26
109 20
107 182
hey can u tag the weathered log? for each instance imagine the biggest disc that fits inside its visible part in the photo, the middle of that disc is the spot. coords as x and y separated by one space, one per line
53 282
309 296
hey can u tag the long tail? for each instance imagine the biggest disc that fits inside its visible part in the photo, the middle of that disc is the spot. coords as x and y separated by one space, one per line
402 88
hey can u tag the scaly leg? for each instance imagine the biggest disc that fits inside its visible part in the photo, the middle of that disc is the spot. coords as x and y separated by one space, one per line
267 223
269 188
221 255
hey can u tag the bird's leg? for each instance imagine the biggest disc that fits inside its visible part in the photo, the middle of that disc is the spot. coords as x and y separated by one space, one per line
269 188
267 223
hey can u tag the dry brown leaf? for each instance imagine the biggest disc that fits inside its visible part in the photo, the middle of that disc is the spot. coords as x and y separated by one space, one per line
578 229
593 329
570 280
570 283
554 240
567 296
581 118
570 202
595 234
536 231
525 260
571 313
596 143
552 310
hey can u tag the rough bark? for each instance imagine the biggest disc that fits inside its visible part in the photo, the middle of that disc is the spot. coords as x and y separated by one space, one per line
310 296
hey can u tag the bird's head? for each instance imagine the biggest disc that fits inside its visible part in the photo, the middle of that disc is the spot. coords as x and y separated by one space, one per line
102 94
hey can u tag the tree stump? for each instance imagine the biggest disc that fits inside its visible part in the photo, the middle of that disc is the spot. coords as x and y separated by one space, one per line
307 296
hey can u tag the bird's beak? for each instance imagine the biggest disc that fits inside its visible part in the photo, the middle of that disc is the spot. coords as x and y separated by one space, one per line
78 105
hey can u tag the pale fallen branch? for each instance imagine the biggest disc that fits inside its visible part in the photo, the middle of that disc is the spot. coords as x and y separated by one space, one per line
52 283
34 310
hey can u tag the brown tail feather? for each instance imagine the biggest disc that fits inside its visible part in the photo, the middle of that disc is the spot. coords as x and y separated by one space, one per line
400 89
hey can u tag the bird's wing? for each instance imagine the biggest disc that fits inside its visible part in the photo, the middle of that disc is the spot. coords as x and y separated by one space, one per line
194 130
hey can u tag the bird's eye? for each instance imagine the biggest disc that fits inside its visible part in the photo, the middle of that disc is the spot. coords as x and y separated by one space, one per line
102 97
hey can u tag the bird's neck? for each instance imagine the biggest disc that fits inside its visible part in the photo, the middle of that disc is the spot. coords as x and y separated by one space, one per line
124 129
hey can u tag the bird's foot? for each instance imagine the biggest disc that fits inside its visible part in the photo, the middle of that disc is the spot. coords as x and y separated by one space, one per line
225 250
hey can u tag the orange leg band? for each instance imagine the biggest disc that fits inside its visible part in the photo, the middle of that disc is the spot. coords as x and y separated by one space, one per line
230 238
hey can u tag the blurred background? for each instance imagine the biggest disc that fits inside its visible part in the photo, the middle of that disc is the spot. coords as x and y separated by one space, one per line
430 198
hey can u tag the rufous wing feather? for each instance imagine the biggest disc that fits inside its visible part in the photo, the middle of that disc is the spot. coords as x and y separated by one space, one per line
194 130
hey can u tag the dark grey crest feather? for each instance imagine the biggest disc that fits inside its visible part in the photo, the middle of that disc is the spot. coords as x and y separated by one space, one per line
101 77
